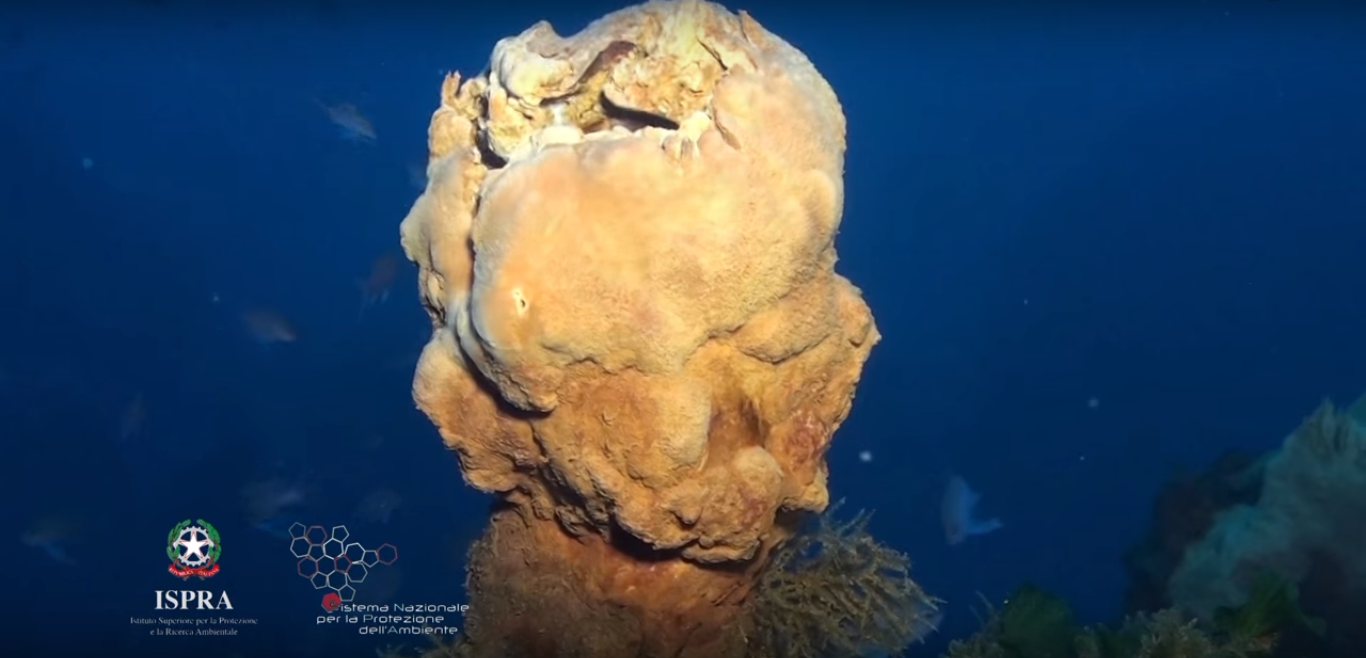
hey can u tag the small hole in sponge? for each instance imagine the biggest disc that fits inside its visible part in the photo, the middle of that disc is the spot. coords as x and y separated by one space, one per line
520 300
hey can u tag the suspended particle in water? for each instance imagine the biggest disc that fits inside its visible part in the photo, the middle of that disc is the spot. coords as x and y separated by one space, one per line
87 163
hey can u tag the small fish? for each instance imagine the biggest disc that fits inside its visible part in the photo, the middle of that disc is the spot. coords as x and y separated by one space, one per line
268 327
374 290
407 361
266 501
351 125
277 527
51 534
417 176
956 511
379 506
381 585
53 549
134 418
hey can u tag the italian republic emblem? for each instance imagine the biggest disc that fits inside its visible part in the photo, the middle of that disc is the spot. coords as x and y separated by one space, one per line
194 549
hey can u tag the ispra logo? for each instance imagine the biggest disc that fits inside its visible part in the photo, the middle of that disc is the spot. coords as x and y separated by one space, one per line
194 549
331 561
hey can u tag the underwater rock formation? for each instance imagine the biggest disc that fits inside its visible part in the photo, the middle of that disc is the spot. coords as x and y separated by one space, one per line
1312 502
1034 623
626 246
1183 512
1299 519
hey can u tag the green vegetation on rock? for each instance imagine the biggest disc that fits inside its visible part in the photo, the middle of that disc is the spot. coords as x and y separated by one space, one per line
1036 624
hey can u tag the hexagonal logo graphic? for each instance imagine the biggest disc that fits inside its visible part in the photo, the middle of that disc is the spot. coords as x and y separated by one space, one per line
194 549
329 560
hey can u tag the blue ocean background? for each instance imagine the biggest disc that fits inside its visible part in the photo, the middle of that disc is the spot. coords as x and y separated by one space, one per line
1100 244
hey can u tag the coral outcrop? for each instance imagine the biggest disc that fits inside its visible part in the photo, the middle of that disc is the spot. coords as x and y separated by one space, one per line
1035 623
1313 498
1294 514
626 246
1185 509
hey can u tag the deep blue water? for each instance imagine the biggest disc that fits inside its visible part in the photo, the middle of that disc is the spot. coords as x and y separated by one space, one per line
1098 244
